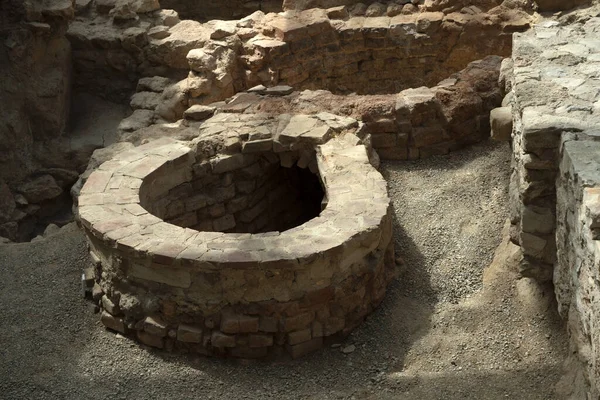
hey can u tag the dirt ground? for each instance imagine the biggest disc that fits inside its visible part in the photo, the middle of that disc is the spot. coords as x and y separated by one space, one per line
449 328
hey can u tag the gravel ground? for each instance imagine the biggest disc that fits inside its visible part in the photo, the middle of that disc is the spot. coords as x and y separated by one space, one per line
449 328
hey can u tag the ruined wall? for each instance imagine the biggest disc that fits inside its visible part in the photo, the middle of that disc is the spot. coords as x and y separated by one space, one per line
35 164
313 49
555 181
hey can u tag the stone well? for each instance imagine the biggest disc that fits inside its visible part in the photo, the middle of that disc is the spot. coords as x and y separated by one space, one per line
208 246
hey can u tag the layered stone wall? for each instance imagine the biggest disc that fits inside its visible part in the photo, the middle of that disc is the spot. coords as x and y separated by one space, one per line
313 49
239 294
412 124
555 182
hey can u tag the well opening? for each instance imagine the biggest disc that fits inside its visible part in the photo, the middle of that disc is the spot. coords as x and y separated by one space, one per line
241 194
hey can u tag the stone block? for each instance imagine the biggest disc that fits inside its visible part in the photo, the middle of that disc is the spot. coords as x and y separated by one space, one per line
113 323
268 324
260 340
162 274
189 334
155 326
219 339
227 163
298 322
110 307
287 29
199 112
380 140
257 146
248 324
501 123
150 340
299 336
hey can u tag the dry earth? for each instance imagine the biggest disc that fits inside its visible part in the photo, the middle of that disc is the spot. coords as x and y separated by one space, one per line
446 330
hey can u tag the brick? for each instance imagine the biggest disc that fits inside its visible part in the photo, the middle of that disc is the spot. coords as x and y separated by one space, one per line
155 326
267 324
230 323
151 340
219 339
167 275
110 307
112 323
189 334
299 336
248 324
298 322
260 340
304 348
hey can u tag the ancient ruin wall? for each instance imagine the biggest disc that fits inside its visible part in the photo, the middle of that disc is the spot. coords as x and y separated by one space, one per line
313 49
555 183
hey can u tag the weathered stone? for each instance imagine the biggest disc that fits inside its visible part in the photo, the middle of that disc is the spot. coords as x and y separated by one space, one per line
219 339
155 326
501 123
39 189
151 340
199 112
189 334
113 323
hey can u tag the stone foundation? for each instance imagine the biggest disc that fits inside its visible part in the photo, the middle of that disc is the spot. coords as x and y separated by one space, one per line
246 294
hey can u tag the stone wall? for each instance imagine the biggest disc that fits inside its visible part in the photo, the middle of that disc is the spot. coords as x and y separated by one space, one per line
412 124
36 164
555 181
239 294
313 49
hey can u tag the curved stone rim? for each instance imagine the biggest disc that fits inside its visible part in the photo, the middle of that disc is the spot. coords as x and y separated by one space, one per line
110 207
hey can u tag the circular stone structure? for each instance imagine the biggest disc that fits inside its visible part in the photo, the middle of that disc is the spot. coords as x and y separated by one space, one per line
204 246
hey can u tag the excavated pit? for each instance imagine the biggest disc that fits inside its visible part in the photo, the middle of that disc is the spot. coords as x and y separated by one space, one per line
265 228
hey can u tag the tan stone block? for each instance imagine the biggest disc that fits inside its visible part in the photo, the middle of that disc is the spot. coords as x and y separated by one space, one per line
162 274
219 339
248 324
109 306
113 323
288 29
298 322
334 325
299 336
230 323
155 326
151 340
189 334
268 324
260 340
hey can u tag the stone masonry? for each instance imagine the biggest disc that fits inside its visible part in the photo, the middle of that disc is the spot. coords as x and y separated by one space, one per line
238 294
555 187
